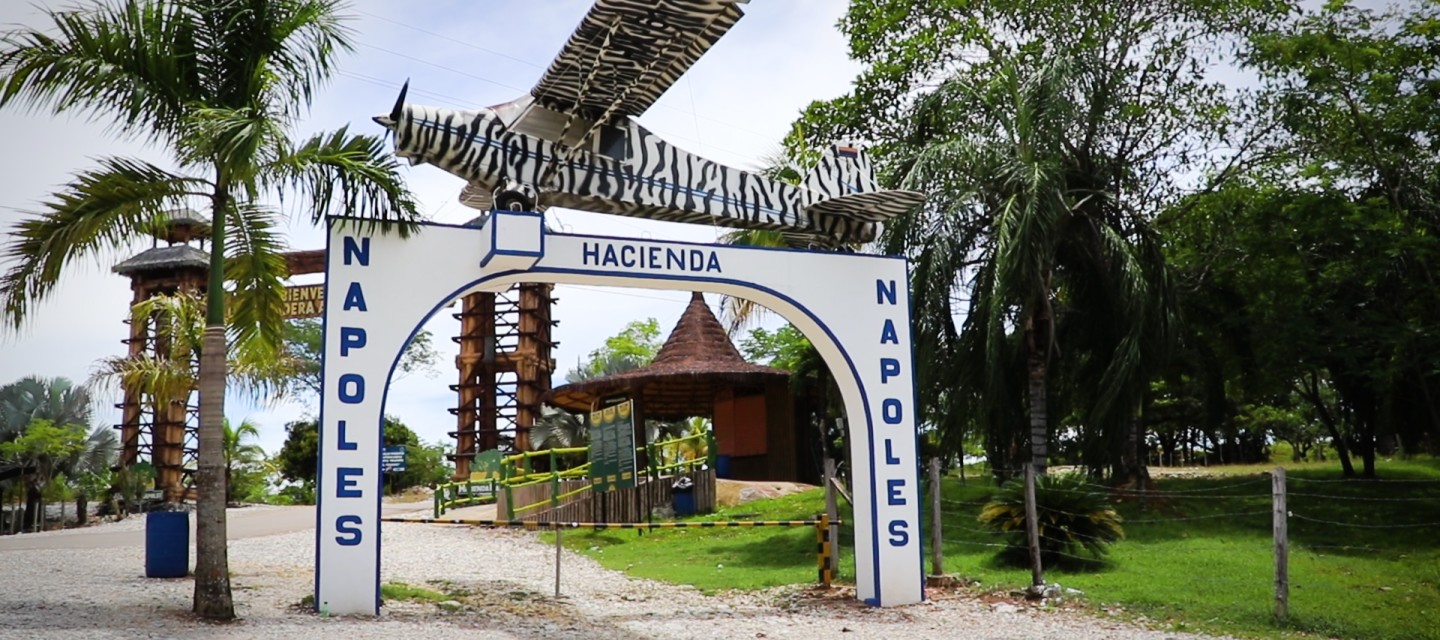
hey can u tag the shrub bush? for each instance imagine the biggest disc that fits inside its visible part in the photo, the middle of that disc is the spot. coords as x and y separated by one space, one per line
1072 514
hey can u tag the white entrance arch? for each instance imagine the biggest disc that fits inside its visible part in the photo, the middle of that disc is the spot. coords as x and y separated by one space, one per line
380 290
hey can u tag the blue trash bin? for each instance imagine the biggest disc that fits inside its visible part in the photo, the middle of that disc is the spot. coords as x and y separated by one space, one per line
682 496
167 544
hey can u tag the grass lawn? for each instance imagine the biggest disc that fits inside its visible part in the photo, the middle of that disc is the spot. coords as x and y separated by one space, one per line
1201 558
1197 559
716 559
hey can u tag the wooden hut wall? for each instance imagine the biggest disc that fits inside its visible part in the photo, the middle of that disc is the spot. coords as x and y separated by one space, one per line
781 435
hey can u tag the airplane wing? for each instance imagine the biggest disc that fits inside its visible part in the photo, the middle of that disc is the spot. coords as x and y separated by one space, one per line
625 53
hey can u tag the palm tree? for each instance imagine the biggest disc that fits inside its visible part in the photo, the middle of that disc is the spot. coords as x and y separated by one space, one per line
239 452
57 400
88 470
34 398
1049 257
219 83
558 429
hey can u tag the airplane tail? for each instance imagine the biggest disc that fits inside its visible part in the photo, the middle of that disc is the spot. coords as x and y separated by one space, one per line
843 170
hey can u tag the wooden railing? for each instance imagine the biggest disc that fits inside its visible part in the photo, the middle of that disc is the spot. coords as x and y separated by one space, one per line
523 492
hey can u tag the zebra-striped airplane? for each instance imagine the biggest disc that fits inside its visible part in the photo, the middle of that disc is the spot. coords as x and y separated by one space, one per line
573 141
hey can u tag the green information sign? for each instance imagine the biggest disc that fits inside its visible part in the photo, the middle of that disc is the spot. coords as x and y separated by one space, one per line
612 448
485 468
486 465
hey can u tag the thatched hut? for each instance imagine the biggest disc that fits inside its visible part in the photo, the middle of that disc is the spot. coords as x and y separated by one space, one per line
699 372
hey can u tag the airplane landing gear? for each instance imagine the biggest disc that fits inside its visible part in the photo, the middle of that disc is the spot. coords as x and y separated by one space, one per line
513 196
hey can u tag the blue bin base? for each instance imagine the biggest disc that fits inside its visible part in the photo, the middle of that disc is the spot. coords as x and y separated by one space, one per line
684 503
167 544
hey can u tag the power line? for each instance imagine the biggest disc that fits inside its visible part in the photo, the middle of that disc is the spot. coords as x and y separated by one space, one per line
450 100
450 39
442 67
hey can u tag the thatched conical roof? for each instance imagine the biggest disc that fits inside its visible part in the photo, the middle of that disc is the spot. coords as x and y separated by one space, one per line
696 361
162 258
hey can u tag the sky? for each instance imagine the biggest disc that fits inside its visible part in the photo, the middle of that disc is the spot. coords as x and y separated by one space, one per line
734 106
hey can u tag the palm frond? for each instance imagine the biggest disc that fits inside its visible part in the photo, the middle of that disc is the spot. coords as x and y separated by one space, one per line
304 38
131 60
353 173
98 453
738 313
241 140
256 268
99 210
36 398
178 320
161 377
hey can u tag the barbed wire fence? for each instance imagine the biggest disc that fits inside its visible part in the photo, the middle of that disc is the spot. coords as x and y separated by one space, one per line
1262 539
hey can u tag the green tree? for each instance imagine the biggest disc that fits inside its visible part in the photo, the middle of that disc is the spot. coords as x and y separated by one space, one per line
1357 94
558 429
304 344
24 401
41 449
299 456
634 347
218 83
1047 135
1309 286
34 398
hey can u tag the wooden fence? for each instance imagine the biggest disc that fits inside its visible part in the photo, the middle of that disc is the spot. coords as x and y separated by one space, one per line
628 505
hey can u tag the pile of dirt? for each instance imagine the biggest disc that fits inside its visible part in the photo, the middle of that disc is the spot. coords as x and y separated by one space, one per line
729 493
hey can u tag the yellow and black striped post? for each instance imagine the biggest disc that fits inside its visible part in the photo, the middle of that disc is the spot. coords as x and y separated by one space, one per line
822 548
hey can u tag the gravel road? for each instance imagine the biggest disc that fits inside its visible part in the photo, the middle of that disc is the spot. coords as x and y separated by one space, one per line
507 577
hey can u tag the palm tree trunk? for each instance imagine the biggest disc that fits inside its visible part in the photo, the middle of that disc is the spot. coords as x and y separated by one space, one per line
212 564
1037 345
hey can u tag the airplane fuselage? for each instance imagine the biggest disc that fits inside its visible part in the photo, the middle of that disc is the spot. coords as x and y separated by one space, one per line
638 174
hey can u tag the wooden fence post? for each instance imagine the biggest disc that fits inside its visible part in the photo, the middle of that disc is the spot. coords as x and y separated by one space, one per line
1032 529
1282 545
832 511
937 556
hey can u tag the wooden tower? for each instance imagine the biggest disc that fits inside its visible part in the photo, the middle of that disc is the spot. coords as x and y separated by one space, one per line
504 366
163 430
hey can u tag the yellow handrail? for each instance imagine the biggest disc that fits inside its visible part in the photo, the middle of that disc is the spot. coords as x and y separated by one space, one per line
516 471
